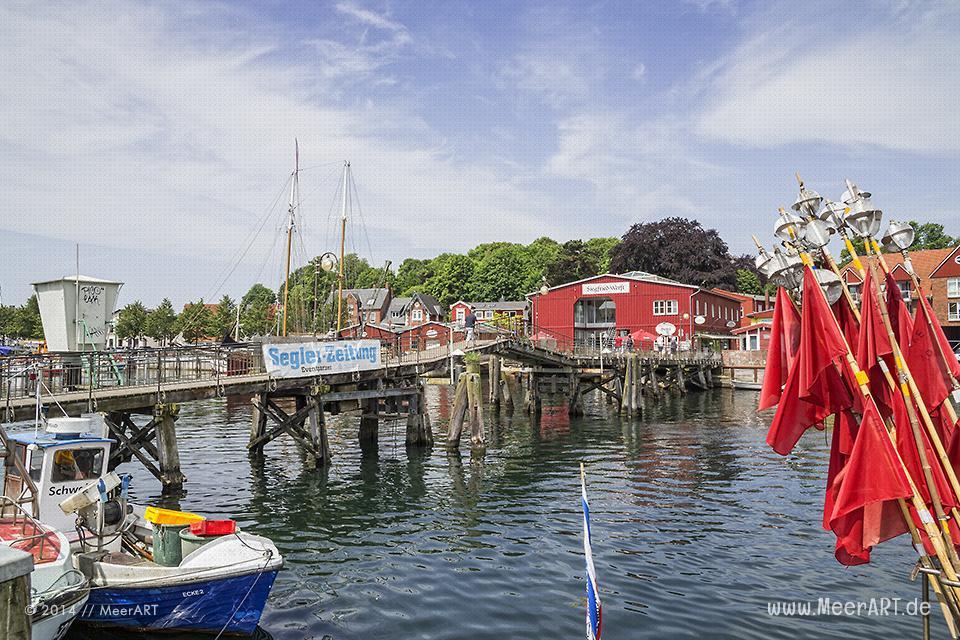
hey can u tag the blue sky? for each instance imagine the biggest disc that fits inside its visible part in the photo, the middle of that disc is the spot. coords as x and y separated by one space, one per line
159 135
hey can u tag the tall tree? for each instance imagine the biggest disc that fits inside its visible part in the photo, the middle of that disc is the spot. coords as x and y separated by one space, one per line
132 322
676 248
411 274
930 235
599 250
26 320
161 323
224 318
451 278
256 311
194 322
748 282
501 273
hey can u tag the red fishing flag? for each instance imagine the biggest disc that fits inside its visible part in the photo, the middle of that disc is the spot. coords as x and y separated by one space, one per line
847 321
784 342
874 346
865 510
815 388
900 319
928 346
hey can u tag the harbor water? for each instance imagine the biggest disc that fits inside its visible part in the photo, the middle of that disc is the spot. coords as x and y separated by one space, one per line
699 529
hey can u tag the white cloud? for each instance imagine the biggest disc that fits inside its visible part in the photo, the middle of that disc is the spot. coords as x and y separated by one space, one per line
119 130
893 85
637 169
370 18
639 71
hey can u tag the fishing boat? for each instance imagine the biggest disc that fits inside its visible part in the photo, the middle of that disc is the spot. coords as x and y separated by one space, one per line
745 385
57 590
147 570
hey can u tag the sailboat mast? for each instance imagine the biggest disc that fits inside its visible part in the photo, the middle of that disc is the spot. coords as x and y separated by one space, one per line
293 191
343 235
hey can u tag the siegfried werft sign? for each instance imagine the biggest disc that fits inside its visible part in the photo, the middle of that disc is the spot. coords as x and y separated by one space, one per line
605 288
296 359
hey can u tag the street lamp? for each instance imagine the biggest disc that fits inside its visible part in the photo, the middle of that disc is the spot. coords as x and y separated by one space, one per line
329 262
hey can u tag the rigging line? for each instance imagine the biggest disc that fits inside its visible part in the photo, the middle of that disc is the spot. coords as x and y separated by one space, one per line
256 234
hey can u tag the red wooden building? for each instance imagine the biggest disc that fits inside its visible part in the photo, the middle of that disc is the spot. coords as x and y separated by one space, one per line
580 312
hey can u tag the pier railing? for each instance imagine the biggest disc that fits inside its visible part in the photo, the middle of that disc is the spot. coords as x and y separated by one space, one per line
59 373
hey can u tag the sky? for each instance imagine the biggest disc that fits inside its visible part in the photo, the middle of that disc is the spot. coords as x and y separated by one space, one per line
160 137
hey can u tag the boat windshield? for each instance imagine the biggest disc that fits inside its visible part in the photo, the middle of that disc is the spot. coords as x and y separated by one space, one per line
76 464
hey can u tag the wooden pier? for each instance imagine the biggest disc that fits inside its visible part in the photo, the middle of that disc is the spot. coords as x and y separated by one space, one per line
140 392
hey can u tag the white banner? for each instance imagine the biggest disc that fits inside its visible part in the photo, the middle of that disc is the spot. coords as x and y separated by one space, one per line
296 359
601 288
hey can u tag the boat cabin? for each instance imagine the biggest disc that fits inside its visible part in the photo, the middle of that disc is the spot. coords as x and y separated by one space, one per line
61 461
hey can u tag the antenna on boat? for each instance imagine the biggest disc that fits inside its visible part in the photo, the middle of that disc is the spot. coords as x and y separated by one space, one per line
343 234
294 198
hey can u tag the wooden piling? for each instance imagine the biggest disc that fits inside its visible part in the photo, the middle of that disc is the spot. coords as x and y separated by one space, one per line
509 390
15 623
165 416
636 391
496 392
626 397
681 380
460 402
419 433
574 395
369 420
475 410
318 433
258 423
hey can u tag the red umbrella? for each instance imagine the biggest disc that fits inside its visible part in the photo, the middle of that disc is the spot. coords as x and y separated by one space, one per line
640 335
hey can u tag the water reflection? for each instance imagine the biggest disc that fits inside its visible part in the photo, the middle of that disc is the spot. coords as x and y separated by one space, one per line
696 525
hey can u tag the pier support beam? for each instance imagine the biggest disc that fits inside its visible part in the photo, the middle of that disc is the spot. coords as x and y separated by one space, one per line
318 432
496 390
165 416
258 422
419 432
574 395
369 420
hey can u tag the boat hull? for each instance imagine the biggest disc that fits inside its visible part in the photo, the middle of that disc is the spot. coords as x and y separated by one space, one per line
232 605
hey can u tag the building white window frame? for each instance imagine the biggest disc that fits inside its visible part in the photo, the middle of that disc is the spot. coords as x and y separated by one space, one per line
953 312
953 287
666 307
416 315
461 315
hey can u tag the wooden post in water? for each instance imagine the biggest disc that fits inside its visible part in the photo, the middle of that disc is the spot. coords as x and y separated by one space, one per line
475 410
626 396
369 420
165 416
318 431
708 373
458 413
258 424
681 379
574 397
419 433
509 390
654 383
496 392
637 390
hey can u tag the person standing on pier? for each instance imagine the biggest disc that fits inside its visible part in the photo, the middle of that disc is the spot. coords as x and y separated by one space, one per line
470 322
629 343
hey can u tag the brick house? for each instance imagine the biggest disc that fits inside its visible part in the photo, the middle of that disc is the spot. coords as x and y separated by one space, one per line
372 304
507 313
414 310
939 275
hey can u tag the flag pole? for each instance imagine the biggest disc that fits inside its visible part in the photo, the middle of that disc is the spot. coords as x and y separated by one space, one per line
948 404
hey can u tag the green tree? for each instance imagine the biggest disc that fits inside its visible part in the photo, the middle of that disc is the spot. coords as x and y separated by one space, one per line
412 273
930 235
451 278
8 316
599 251
224 318
26 320
194 322
748 282
161 323
501 273
256 311
132 322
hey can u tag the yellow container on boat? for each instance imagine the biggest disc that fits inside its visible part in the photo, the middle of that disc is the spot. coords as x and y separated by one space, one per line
156 515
